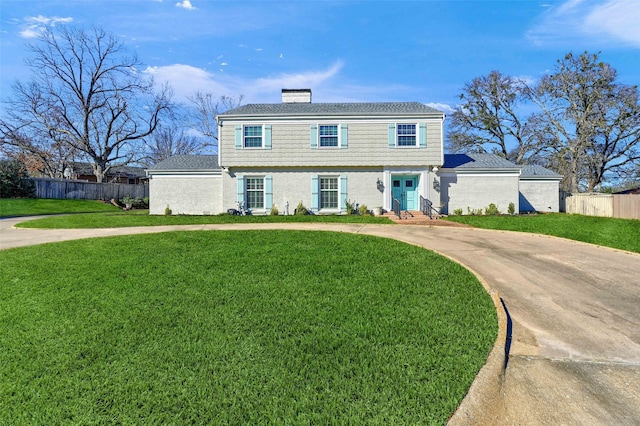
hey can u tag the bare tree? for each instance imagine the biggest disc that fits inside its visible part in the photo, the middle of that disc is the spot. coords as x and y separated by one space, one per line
205 109
492 118
87 94
593 123
169 141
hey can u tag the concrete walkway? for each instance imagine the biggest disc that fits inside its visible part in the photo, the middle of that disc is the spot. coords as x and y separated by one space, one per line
574 308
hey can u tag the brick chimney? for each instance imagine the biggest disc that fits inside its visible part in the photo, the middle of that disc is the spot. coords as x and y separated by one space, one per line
290 96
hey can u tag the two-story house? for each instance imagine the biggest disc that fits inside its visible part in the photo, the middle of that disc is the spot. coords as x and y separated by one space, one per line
327 154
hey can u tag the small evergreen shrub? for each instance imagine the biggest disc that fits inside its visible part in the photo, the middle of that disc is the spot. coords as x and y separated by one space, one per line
301 210
363 210
512 209
350 206
274 211
457 212
492 210
167 211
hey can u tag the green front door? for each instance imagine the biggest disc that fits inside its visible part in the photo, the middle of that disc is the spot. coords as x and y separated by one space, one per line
405 190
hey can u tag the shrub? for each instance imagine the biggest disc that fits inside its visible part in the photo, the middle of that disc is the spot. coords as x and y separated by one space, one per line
167 211
457 212
14 181
363 210
301 210
350 206
512 208
274 211
474 212
492 210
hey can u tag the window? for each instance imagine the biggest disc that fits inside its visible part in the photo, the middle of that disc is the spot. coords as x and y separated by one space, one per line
329 193
406 135
255 192
328 135
253 136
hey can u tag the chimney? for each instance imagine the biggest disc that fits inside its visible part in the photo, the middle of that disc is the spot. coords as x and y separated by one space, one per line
292 96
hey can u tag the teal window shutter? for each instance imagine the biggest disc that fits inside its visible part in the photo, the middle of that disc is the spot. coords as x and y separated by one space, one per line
267 136
240 198
314 136
343 193
392 135
315 188
268 193
238 137
344 136
422 135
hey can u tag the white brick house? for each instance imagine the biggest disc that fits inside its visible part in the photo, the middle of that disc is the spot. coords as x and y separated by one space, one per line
326 154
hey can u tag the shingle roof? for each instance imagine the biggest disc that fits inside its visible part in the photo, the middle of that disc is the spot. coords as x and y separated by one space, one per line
534 170
476 161
188 162
364 108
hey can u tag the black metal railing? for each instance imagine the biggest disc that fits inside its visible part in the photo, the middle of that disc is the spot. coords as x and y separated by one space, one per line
426 207
395 206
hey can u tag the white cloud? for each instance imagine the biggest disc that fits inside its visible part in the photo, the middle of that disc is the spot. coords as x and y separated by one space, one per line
186 4
33 26
611 21
186 80
446 108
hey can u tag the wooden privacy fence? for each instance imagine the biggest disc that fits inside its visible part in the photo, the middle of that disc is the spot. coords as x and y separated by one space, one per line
622 206
76 189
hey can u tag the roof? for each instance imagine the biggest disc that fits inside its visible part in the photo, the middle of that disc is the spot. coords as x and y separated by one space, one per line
82 168
187 162
476 161
303 108
537 171
629 191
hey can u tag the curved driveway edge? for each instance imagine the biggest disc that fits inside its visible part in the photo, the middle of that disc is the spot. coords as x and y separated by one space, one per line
574 307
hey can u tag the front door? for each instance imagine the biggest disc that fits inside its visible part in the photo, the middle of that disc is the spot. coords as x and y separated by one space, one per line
405 190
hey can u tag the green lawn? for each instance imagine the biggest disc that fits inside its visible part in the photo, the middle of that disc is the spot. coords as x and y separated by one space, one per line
617 233
243 327
12 207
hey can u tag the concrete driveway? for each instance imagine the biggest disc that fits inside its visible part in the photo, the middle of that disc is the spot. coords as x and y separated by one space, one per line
574 356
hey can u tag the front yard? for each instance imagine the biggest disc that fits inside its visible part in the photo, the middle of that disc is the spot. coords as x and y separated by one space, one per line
247 327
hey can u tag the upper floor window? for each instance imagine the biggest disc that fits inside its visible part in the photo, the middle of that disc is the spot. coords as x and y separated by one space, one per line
253 136
406 135
328 135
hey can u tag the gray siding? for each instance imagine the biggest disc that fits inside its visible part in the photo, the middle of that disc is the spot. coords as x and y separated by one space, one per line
185 194
478 190
367 146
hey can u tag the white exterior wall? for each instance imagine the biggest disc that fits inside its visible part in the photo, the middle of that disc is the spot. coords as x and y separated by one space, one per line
185 194
477 190
368 145
293 185
540 195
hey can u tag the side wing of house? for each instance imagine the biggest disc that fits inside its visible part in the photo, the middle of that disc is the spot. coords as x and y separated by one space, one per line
186 184
325 155
539 190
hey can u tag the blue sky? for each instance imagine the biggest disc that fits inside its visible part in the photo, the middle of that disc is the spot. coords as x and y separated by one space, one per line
345 51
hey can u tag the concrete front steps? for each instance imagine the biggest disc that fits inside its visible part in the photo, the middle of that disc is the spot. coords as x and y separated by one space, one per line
416 217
